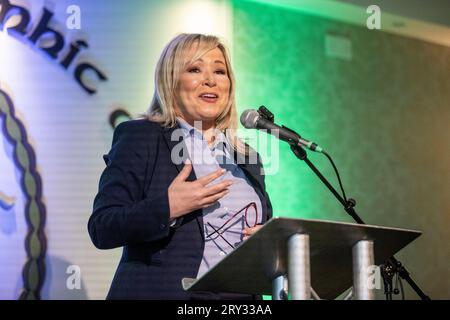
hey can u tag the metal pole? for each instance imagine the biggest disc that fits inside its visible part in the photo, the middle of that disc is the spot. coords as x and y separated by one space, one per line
278 288
363 265
299 276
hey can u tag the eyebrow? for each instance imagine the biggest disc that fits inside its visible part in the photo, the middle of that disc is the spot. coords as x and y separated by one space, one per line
216 61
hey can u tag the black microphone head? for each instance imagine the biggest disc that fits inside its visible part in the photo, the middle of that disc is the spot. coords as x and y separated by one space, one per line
249 118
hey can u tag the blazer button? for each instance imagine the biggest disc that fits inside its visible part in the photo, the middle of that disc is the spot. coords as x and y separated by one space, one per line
162 226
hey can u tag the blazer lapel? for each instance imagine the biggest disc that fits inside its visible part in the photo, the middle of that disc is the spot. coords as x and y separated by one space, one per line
175 143
251 171
177 147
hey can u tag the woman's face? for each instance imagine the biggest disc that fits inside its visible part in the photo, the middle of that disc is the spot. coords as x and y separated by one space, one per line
203 89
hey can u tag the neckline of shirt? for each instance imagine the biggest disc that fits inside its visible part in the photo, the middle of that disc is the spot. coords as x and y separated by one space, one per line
191 131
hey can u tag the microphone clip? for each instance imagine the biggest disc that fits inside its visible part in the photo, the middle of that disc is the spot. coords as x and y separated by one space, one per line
266 114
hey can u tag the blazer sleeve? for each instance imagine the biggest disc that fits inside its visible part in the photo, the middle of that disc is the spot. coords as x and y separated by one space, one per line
121 215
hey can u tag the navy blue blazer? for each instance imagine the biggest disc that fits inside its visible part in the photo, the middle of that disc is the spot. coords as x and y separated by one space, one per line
131 210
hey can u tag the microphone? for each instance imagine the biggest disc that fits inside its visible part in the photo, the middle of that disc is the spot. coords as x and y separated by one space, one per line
251 119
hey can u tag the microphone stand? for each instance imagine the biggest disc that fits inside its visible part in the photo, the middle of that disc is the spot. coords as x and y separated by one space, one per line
392 265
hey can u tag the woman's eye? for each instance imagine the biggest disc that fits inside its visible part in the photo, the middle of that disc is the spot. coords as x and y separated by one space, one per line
221 71
194 70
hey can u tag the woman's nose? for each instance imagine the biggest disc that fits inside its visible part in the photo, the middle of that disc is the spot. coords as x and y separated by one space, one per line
209 80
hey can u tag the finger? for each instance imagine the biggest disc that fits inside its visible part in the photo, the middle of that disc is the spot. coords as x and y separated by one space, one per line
218 187
211 177
247 231
209 201
185 172
250 231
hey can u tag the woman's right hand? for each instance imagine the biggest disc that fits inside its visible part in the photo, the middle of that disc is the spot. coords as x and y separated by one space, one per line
187 196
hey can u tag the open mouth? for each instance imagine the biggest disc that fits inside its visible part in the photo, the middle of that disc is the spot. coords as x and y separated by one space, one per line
209 97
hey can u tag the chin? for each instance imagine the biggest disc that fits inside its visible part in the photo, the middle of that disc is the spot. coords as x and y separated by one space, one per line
209 116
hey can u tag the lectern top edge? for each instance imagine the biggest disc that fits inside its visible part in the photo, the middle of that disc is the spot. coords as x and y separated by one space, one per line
345 223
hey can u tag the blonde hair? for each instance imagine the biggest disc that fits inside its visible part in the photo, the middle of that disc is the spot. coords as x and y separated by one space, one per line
173 60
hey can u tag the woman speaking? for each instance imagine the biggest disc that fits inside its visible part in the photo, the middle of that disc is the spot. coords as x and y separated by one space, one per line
179 191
